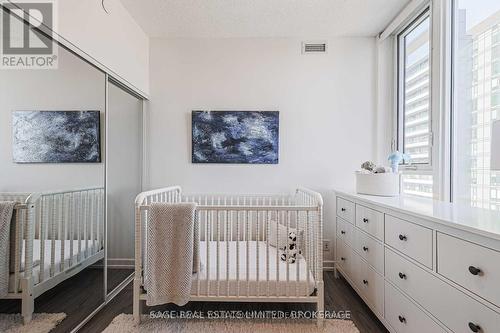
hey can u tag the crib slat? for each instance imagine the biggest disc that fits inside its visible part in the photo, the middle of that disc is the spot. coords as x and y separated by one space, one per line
299 242
43 237
207 241
287 218
91 222
228 238
92 239
41 234
86 224
53 215
268 234
218 251
238 254
247 223
277 252
308 241
79 227
258 239
71 233
64 222
97 238
60 212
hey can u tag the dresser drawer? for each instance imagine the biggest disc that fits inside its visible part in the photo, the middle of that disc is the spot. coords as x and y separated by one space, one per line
459 260
411 239
450 306
370 221
345 231
345 257
370 249
406 317
345 209
370 284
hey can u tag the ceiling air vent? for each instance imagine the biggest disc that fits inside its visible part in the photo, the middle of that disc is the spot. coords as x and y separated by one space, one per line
310 48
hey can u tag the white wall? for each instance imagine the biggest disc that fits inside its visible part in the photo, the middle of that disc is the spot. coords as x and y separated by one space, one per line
385 98
113 39
326 104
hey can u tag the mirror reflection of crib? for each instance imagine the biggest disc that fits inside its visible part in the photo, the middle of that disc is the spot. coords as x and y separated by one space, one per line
54 236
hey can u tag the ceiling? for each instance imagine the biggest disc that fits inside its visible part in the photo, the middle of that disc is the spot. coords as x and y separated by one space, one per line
263 18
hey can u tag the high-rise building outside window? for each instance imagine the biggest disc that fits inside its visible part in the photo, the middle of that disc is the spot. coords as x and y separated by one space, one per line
476 100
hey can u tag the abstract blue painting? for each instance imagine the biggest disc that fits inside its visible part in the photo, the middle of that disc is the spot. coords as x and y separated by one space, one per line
249 137
56 136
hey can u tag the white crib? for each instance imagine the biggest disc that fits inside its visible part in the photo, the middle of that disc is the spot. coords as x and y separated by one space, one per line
238 263
54 235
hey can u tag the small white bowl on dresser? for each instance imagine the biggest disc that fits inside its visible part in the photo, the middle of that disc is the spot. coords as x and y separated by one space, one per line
421 265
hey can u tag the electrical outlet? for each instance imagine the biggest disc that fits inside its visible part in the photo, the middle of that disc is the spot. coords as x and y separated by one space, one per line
326 246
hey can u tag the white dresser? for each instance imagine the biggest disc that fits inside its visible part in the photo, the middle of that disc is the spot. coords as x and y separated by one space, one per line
421 265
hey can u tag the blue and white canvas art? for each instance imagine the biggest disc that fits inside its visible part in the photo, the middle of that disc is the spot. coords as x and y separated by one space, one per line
56 136
247 137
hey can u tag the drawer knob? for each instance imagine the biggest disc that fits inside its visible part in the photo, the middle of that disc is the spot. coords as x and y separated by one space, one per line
403 238
342 258
365 249
402 276
342 209
474 270
365 220
342 232
402 319
365 282
474 328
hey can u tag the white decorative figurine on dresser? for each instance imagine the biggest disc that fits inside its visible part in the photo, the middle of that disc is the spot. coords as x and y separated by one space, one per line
421 265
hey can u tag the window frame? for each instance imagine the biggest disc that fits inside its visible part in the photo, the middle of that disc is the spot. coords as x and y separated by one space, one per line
437 156
398 140
442 162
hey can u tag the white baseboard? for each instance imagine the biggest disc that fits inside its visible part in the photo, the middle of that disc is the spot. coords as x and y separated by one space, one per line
328 265
121 263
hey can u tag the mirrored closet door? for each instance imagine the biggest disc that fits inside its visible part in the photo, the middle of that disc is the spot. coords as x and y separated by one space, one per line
124 165
52 124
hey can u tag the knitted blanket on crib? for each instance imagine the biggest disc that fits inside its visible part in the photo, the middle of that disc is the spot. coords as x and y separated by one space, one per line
172 253
6 210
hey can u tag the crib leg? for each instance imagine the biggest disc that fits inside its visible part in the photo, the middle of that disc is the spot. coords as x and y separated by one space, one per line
320 308
137 301
28 301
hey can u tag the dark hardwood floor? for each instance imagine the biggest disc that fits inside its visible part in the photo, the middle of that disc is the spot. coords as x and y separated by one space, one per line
339 296
77 296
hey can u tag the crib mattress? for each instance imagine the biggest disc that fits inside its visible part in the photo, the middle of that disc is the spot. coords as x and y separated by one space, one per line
92 248
257 285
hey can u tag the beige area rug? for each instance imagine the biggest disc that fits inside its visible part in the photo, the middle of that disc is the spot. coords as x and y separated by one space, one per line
124 323
41 323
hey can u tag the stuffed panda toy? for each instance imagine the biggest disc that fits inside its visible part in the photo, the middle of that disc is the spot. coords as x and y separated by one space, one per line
290 250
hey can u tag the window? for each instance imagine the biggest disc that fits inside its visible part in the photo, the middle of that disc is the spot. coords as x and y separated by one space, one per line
414 125
476 100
